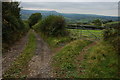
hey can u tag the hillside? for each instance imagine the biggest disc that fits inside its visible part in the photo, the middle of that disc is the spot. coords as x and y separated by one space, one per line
68 16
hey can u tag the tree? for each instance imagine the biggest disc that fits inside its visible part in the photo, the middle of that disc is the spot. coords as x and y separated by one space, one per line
12 25
97 22
34 18
52 26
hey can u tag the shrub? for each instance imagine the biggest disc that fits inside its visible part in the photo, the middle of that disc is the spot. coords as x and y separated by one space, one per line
27 27
34 18
112 34
12 26
97 22
52 26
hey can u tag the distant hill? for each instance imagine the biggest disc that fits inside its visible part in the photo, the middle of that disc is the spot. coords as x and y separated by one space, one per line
68 16
26 13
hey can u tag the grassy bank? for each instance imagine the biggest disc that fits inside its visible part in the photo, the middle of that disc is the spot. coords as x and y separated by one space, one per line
101 61
64 61
19 64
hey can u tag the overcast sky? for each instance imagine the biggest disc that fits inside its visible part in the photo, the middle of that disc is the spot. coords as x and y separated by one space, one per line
100 8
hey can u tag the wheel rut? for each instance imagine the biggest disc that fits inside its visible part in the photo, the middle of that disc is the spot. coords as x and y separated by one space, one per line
39 66
80 58
13 53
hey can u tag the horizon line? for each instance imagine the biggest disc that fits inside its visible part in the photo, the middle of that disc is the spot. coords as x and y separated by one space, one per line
69 12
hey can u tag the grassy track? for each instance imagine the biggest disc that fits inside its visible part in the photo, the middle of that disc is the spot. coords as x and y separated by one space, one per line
101 62
76 33
19 64
64 61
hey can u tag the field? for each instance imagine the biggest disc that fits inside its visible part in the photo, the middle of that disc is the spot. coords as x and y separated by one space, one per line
93 34
111 23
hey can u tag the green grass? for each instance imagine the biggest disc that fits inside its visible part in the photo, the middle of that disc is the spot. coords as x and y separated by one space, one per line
19 64
101 62
110 23
64 61
54 42
93 34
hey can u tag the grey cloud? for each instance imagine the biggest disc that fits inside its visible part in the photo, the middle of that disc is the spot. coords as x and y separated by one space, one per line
104 8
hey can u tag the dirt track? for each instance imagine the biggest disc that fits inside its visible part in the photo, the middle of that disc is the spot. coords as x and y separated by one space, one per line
39 66
13 53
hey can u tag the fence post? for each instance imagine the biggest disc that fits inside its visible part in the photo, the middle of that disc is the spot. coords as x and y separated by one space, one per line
81 33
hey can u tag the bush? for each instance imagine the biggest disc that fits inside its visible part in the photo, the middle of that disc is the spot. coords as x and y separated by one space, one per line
12 26
34 18
52 26
112 34
26 24
97 22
